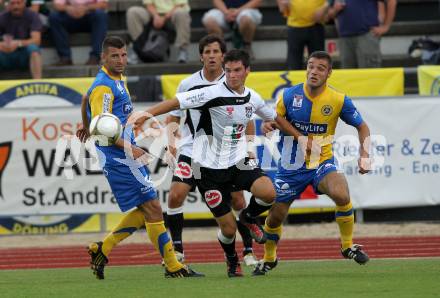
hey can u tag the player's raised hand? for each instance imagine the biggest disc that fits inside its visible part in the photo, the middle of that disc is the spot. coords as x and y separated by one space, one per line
137 119
364 164
83 134
268 126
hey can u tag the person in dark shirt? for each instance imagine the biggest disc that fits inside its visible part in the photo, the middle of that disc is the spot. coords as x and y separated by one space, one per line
360 28
21 31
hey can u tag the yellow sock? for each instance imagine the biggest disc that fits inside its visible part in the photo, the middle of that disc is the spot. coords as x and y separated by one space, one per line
345 220
270 247
162 242
128 225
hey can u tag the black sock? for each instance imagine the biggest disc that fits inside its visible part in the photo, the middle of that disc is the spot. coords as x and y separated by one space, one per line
245 236
254 209
175 225
228 248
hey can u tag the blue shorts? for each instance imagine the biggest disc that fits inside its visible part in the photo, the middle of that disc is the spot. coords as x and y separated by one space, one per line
19 59
289 184
130 183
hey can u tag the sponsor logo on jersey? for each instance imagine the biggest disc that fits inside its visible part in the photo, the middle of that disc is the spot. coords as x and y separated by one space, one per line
307 127
297 101
106 99
230 110
327 110
249 112
183 170
127 108
282 187
213 198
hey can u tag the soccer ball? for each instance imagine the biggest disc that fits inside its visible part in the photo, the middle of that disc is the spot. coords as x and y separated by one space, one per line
105 129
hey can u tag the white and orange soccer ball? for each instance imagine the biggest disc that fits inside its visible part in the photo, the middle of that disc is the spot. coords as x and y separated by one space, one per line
105 129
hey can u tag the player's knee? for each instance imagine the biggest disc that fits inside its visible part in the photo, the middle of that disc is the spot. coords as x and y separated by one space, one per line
238 202
268 195
229 231
176 199
341 198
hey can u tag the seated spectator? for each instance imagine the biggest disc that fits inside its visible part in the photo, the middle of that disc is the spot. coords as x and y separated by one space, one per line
303 30
39 7
78 16
159 12
21 30
2 5
228 13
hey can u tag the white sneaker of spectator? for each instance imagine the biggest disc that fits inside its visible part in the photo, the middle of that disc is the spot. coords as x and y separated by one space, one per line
132 57
182 56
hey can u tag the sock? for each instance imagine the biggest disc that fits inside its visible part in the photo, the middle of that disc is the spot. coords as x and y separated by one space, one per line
162 242
127 226
270 247
246 237
175 225
345 219
228 244
256 207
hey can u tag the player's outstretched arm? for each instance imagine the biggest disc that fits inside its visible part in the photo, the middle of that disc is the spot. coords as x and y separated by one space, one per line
138 118
364 161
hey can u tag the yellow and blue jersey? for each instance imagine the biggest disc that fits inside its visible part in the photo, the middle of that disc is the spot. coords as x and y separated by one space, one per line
128 180
315 117
109 94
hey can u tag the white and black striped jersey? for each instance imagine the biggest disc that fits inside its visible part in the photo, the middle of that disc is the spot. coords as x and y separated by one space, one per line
220 141
195 81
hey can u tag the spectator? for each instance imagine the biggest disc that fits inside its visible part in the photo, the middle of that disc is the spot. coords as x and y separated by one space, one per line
159 12
360 29
78 16
303 30
229 13
21 30
39 7
2 5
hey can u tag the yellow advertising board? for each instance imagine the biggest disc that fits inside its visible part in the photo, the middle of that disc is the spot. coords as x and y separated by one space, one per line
353 82
429 79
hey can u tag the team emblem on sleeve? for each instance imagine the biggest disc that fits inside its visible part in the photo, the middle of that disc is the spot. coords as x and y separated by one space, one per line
183 170
327 110
213 198
249 112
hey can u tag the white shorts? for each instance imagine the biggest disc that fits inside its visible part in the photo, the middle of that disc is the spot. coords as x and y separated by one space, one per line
218 16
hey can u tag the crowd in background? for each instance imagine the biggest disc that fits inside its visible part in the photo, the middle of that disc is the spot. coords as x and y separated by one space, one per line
360 25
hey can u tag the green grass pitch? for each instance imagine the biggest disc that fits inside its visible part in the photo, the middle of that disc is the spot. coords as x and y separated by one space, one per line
396 278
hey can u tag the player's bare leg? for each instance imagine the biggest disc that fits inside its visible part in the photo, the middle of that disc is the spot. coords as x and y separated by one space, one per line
238 203
335 186
226 237
175 220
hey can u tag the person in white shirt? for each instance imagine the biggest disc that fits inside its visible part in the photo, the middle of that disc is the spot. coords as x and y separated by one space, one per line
219 154
211 49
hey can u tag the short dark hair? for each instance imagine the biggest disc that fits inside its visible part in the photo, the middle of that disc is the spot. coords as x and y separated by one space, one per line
237 55
322 55
113 41
211 38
